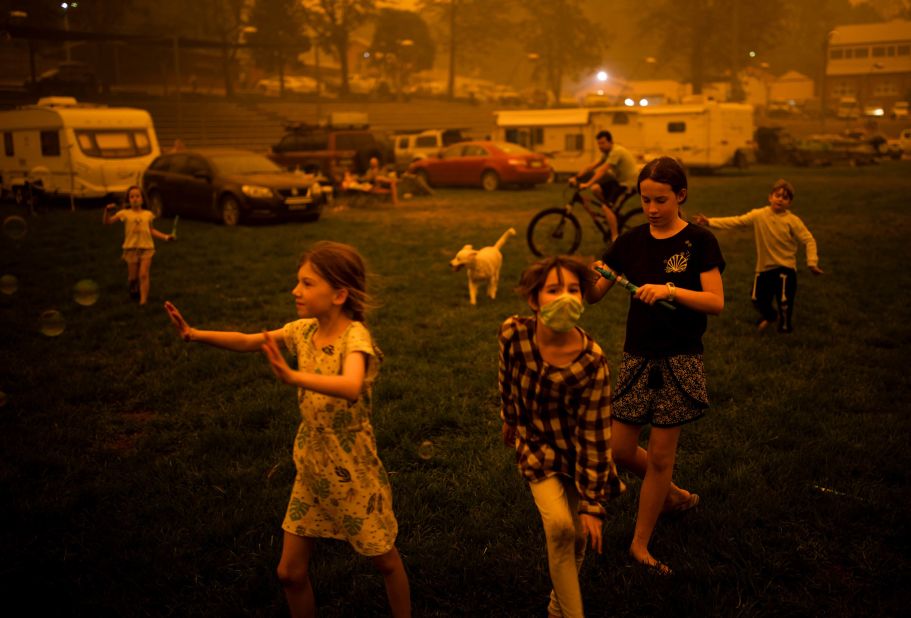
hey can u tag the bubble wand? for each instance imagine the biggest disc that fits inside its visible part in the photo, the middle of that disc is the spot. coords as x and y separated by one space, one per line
629 287
174 227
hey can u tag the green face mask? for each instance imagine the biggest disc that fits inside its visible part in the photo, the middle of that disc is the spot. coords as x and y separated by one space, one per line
562 313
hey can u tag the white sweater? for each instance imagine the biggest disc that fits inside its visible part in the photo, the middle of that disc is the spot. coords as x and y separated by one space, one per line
777 236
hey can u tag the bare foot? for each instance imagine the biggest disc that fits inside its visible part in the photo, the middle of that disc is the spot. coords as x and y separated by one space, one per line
649 561
682 501
763 324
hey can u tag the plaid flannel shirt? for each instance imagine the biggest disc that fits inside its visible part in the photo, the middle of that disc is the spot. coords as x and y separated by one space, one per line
561 414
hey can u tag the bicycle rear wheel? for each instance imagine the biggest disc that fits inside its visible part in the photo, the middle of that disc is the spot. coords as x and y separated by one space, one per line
554 232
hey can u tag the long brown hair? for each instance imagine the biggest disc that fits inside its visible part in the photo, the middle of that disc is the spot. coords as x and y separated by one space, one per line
343 268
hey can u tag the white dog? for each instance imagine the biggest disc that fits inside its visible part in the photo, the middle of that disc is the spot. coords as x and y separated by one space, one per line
482 265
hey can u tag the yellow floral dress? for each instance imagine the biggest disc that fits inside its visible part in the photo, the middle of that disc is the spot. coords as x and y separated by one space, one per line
341 490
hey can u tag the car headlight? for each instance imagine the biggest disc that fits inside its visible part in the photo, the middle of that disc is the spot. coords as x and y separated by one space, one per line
516 162
256 191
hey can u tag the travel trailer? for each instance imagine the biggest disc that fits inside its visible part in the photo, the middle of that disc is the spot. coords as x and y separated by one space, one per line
61 147
705 135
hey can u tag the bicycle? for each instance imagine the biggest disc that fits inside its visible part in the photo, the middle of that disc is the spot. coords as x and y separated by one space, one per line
557 231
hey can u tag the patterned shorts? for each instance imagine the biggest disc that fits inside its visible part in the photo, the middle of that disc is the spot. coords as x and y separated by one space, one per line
663 392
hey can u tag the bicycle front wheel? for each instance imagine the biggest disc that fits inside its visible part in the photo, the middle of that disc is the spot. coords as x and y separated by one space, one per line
554 232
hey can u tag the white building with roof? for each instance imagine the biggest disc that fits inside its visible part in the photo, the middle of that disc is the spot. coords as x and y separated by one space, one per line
870 62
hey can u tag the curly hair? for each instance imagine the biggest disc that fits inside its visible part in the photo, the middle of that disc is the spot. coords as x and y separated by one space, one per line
533 278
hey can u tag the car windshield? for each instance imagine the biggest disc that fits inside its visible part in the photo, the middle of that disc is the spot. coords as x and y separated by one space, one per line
512 148
230 165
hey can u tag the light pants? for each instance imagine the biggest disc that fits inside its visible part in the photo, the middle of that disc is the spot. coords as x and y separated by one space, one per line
558 502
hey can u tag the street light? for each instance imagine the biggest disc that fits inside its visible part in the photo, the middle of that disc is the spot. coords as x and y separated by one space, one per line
602 76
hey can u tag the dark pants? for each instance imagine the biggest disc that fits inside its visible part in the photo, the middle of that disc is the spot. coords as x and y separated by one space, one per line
777 284
611 189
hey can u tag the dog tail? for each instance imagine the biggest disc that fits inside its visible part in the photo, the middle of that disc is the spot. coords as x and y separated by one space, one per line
504 238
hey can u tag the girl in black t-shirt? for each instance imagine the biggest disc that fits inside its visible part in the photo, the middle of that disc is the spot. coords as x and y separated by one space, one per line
661 380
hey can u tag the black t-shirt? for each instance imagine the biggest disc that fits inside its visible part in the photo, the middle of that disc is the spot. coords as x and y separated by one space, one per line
650 329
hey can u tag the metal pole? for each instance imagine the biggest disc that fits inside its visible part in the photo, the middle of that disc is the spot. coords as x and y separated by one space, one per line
177 79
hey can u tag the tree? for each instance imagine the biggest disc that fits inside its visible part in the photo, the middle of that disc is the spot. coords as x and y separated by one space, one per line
333 21
713 36
279 28
471 29
401 45
562 38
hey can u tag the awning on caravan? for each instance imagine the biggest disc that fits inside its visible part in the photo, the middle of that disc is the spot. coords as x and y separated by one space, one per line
542 118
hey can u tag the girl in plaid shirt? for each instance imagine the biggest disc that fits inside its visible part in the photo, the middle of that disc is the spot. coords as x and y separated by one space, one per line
555 391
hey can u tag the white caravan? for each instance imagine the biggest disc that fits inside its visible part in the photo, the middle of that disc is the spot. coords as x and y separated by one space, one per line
62 147
567 136
701 135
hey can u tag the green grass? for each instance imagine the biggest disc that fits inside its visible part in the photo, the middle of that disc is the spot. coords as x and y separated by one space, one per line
143 476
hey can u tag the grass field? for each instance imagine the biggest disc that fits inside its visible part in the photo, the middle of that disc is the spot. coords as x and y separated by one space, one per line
141 476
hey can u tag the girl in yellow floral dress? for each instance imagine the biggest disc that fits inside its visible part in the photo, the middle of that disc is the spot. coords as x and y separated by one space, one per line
341 490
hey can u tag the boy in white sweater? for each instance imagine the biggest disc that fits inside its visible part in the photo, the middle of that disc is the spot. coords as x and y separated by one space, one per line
777 232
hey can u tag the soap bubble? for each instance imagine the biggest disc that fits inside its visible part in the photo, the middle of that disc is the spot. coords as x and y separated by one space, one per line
52 323
9 284
425 450
15 227
85 292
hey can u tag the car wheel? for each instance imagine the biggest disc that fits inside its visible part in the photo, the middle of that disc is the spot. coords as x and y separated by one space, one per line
490 181
423 177
156 205
230 210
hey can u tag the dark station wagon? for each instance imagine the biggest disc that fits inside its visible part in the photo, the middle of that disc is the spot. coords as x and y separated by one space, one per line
231 186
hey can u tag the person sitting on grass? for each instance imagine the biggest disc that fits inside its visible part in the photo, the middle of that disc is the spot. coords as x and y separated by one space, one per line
778 233
382 182
341 490
555 390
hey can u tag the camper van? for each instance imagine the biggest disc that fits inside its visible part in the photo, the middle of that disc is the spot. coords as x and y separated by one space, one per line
62 147
702 135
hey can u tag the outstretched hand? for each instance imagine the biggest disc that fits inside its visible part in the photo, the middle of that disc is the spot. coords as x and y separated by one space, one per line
816 270
183 329
591 528
700 219
276 361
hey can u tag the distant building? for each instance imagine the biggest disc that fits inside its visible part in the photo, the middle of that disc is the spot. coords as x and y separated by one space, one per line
792 86
869 62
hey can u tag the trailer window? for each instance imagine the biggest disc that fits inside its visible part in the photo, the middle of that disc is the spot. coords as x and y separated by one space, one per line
676 127
574 141
8 144
114 144
50 144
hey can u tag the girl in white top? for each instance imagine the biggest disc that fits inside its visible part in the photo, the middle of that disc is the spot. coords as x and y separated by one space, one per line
138 246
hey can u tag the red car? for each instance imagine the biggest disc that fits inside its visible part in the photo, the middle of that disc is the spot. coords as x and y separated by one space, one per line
489 165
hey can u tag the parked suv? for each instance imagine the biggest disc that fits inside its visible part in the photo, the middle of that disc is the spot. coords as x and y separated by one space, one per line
344 142
413 146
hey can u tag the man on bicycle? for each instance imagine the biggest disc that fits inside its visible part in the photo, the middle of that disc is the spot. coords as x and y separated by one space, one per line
611 176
